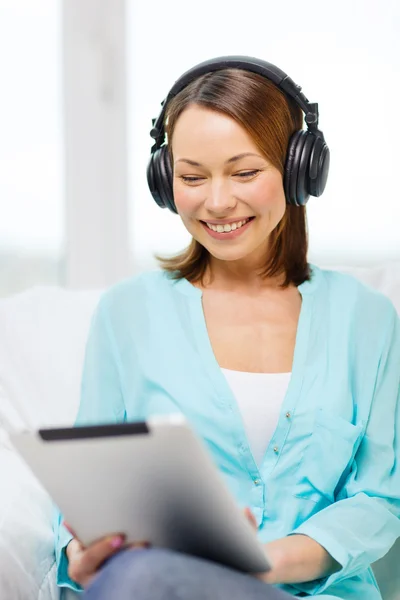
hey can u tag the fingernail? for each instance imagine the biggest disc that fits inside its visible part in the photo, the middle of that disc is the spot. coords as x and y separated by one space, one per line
68 528
117 542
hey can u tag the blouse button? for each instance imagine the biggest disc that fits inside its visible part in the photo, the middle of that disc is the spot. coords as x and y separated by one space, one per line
288 415
257 481
276 449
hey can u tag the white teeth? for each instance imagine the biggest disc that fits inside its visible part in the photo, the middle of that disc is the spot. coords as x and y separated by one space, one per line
228 227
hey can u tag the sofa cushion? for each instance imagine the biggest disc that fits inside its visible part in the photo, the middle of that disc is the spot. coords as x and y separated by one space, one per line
27 563
43 334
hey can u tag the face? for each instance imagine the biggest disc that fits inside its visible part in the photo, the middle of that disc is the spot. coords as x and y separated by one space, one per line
229 197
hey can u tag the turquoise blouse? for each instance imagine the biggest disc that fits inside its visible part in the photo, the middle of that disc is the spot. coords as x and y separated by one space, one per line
332 468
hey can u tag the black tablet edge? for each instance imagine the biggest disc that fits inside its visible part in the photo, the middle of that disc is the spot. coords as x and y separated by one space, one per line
82 432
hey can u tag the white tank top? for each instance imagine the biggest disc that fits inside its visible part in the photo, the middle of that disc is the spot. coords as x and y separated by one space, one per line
259 397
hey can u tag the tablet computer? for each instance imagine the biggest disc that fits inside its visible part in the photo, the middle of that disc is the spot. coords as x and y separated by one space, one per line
152 480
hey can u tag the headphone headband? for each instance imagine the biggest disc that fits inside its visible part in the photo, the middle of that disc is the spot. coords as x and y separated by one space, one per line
246 63
307 156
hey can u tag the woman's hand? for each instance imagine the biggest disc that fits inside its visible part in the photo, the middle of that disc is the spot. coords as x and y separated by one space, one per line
298 559
84 562
269 576
295 558
251 518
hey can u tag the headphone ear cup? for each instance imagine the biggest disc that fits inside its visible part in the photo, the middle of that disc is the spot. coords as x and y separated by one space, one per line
167 178
153 179
295 148
319 167
307 167
159 178
303 170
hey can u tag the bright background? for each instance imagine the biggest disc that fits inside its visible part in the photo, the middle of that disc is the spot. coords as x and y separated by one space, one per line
81 81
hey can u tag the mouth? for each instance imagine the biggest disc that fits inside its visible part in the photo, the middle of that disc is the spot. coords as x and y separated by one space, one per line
227 227
227 231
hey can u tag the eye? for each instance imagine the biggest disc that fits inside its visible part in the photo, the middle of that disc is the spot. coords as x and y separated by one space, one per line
191 178
247 174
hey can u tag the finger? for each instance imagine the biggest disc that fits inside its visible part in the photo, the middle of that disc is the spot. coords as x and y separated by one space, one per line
138 545
95 554
69 528
250 517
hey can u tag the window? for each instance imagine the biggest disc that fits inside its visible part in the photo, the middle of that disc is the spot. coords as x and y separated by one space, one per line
31 154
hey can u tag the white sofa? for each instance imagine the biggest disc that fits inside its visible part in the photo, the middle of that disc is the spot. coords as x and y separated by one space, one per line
42 340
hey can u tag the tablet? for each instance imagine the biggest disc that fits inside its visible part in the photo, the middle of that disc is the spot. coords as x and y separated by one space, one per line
152 480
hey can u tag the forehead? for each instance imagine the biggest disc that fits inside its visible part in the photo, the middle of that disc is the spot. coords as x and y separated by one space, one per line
203 131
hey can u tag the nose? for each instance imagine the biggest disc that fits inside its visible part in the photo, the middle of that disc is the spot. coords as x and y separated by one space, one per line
219 200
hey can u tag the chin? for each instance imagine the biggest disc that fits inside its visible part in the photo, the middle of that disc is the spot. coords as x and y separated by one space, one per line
227 254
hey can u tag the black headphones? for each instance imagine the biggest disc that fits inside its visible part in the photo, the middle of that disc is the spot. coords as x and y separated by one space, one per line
307 159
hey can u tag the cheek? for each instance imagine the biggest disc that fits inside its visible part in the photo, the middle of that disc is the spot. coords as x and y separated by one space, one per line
269 196
184 198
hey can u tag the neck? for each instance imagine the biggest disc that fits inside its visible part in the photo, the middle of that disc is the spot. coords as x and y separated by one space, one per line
239 275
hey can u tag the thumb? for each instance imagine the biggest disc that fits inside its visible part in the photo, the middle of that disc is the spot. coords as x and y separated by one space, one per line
250 517
69 528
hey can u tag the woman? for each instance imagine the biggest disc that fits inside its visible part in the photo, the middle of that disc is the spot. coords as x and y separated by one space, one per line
288 372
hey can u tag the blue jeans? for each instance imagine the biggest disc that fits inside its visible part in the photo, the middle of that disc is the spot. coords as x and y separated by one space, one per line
157 574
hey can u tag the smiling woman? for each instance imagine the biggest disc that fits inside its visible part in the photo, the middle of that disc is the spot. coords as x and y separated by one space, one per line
281 367
228 135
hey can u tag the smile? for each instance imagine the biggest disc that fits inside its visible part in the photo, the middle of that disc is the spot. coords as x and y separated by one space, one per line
227 231
228 226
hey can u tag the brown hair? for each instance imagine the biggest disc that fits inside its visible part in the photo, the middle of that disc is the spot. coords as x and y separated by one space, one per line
270 118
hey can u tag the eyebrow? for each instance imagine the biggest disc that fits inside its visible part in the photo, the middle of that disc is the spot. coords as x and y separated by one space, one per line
230 160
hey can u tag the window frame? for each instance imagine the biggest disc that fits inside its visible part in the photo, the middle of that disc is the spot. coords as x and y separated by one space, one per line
95 137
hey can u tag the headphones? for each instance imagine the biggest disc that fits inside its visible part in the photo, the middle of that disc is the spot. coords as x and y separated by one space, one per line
307 158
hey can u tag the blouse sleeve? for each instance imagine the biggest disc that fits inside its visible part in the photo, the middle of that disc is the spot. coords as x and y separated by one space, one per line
102 401
364 522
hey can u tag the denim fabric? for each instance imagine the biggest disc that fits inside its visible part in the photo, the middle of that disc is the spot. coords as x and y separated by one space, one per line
165 575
